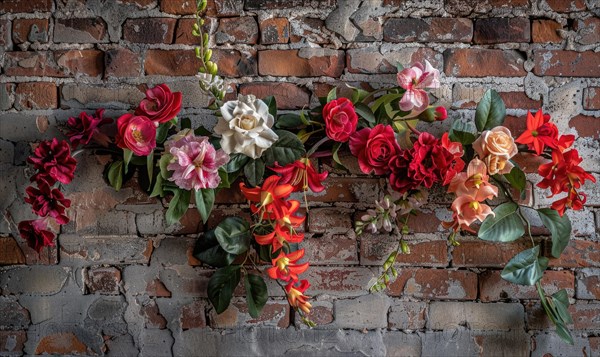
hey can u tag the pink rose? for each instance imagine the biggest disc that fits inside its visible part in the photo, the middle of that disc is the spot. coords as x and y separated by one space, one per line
374 148
340 119
160 104
136 133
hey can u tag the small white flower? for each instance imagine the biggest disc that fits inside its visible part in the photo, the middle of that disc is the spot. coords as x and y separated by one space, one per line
211 83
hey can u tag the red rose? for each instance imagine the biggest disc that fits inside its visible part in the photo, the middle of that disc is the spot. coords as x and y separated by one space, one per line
374 148
160 104
340 119
136 133
53 161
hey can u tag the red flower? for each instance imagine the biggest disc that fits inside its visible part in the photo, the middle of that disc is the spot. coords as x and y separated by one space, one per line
441 113
280 236
301 175
374 148
431 162
136 133
540 132
564 172
573 200
85 128
285 266
296 296
270 197
399 179
48 202
53 161
340 119
36 234
160 104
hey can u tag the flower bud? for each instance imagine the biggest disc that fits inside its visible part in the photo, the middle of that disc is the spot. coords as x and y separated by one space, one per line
441 113
405 247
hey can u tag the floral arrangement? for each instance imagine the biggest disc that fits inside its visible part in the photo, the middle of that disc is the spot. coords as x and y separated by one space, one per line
272 155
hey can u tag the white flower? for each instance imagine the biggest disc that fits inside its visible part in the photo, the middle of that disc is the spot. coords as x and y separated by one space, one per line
211 83
245 127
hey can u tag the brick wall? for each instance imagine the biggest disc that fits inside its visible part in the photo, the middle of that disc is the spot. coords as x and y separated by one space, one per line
120 282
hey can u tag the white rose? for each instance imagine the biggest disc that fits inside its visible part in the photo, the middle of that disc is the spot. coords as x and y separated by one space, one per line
245 127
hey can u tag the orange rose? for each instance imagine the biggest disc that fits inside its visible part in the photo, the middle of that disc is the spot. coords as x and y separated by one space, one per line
496 147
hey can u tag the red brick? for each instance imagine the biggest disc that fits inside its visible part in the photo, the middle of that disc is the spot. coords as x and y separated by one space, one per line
288 95
286 4
122 62
369 60
595 345
375 248
30 30
193 315
152 317
424 222
588 30
178 7
520 100
230 195
156 288
545 31
237 30
335 248
476 62
274 30
36 95
10 252
104 280
585 316
339 281
25 5
171 63
321 312
436 29
5 37
586 126
233 63
588 284
528 162
141 4
346 189
12 342
62 343
183 33
566 63
329 220
478 253
149 30
71 30
463 7
591 98
224 8
275 313
566 5
220 213
493 288
435 284
66 63
501 29
294 63
308 29
578 254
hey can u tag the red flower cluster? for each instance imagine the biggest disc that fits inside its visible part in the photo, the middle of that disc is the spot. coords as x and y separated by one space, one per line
53 162
563 173
85 128
302 175
278 215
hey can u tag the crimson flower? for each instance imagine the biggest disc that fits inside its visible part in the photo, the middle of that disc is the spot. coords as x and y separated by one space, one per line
563 172
302 175
431 161
285 266
540 132
36 234
374 148
280 236
270 198
340 119
53 161
573 200
160 104
46 201
85 128
399 178
136 133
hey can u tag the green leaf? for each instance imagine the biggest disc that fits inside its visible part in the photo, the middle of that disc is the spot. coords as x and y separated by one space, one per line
221 286
150 165
254 172
358 94
561 306
265 252
209 251
164 161
365 112
233 234
202 131
334 154
564 333
504 226
178 205
560 227
162 131
525 268
158 189
332 94
256 294
236 162
404 132
463 132
225 182
289 121
386 98
115 174
127 155
205 199
516 178
186 123
272 104
287 149
490 111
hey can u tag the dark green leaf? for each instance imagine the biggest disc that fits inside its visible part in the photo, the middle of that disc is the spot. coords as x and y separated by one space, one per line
272 104
225 183
150 166
209 251
334 154
127 155
289 121
332 94
186 123
561 305
365 112
287 149
164 161
490 111
463 132
256 294
560 227
236 162
504 226
525 268
115 174
254 172
161 132
202 131
233 234
205 199
516 178
221 286
158 189
178 205
358 94
564 333
264 252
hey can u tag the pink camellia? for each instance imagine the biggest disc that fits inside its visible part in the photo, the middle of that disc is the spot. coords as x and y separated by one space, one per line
374 148
36 234
53 160
46 201
340 119
85 128
160 104
415 80
136 133
195 163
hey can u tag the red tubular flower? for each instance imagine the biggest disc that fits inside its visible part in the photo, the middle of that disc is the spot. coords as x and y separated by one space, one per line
563 172
280 236
136 133
270 198
53 161
48 202
160 104
340 119
374 148
296 296
285 266
36 234
540 133
302 175
574 200
85 128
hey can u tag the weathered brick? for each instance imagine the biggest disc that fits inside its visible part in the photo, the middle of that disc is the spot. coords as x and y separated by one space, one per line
371 60
344 189
193 315
34 280
274 314
566 63
520 100
501 29
339 281
436 29
588 30
54 64
218 8
445 315
586 126
407 315
588 284
478 253
36 95
171 63
286 4
365 312
234 63
566 5
152 316
121 62
586 316
141 4
149 30
12 342
25 6
104 280
332 248
591 98
435 284
493 288
544 344
14 316
274 30
329 220
287 95
30 30
461 7
62 343
72 30
579 253
308 29
375 248
10 252
476 62
301 63
595 345
545 31
156 288
105 250
237 30
5 35
183 33
178 7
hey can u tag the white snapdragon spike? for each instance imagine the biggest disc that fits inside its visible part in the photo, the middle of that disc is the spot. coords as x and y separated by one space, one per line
245 127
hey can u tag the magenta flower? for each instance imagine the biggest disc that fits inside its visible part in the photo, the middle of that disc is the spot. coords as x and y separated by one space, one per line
36 234
195 163
46 201
53 161
415 80
85 128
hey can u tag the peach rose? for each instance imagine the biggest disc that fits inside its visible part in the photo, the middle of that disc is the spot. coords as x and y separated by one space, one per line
496 147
